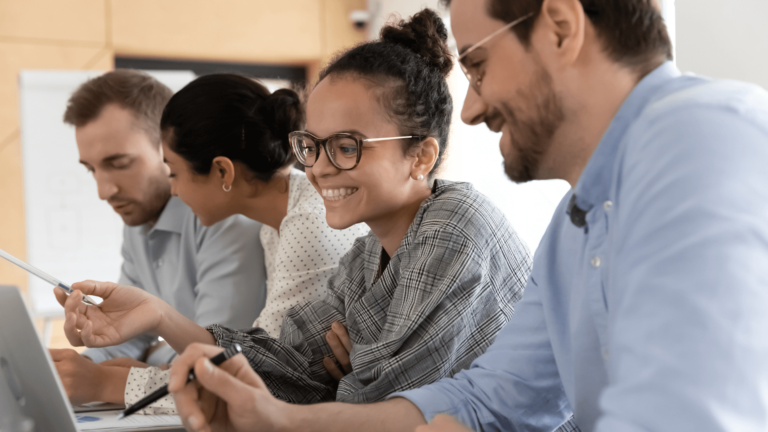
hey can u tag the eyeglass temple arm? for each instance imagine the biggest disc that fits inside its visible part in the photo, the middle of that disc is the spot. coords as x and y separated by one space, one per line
491 36
390 138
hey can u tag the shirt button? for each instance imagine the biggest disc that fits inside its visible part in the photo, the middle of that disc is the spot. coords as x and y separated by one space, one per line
607 205
606 354
159 263
595 262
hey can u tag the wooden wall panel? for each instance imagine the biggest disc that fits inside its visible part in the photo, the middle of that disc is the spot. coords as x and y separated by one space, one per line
54 21
12 233
17 56
338 29
234 30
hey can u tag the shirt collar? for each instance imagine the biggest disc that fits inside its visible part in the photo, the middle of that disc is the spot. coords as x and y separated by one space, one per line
172 217
595 181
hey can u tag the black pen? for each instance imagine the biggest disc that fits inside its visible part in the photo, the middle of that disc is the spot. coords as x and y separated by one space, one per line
158 394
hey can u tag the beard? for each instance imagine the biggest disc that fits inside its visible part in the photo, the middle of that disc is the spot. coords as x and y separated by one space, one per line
531 122
155 197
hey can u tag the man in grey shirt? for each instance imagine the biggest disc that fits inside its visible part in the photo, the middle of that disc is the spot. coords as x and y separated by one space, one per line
212 275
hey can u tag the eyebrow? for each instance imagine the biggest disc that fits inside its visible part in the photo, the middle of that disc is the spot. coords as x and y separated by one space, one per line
108 158
346 131
115 157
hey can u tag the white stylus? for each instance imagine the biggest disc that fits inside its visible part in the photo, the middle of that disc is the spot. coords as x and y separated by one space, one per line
43 275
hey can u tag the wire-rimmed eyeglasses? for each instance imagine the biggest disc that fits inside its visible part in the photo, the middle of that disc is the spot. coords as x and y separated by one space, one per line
472 69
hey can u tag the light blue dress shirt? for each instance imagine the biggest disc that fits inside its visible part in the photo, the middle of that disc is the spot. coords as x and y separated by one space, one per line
212 275
653 316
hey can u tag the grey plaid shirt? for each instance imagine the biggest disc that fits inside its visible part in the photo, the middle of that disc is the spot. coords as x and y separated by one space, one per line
445 294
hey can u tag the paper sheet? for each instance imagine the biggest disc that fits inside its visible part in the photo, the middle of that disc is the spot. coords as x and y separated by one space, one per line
107 421
97 406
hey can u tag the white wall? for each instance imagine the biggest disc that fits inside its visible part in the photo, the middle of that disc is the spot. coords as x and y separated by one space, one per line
724 39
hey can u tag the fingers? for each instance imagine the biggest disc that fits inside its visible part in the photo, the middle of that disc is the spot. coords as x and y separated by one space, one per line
95 288
188 409
72 304
221 383
186 361
70 329
72 315
61 295
58 355
332 369
341 332
239 367
186 395
87 336
339 350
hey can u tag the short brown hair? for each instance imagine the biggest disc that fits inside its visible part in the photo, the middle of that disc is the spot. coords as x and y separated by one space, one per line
633 32
131 89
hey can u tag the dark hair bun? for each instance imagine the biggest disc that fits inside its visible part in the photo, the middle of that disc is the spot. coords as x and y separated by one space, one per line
265 132
282 110
426 35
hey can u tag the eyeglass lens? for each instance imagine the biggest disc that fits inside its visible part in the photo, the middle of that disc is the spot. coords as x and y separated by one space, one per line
472 75
342 151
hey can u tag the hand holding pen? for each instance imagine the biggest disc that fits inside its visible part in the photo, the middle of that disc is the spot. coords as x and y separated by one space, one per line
124 313
160 393
229 397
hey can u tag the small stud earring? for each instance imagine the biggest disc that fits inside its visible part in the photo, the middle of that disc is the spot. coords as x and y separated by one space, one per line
226 189
420 177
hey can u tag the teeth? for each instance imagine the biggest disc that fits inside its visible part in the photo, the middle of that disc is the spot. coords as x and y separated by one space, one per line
337 194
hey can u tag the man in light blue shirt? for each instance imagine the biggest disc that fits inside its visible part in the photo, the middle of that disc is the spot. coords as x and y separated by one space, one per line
646 306
212 275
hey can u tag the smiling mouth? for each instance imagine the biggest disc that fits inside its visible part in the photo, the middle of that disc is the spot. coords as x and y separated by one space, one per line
338 194
120 207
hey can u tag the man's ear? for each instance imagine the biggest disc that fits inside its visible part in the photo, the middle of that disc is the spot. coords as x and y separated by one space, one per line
563 25
426 155
224 170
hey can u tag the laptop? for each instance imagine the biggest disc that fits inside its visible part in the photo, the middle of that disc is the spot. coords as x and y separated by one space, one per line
28 377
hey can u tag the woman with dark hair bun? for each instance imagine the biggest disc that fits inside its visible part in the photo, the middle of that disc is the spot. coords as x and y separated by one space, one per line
420 297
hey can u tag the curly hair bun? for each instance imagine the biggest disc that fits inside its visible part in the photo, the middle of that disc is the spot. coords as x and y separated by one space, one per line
426 35
284 113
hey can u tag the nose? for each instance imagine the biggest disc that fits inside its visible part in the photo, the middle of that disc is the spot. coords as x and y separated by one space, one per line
106 187
323 166
473 111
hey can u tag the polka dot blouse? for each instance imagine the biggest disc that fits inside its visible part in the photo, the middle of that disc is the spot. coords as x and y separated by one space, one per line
299 260
303 255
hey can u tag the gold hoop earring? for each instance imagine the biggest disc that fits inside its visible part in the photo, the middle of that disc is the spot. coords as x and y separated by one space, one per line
224 186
